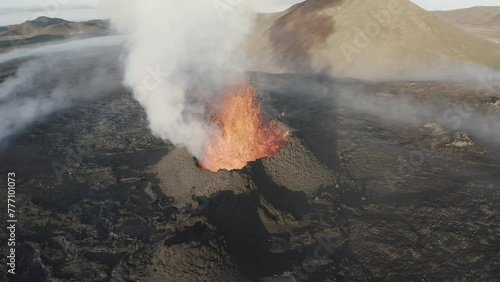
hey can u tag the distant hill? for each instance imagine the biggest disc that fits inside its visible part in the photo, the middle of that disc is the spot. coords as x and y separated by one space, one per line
484 21
362 38
44 27
475 16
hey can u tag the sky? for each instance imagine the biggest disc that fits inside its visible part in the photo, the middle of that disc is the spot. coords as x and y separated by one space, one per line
41 3
453 4
426 4
17 11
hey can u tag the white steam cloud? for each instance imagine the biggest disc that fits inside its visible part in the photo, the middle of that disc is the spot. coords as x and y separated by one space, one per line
36 82
175 46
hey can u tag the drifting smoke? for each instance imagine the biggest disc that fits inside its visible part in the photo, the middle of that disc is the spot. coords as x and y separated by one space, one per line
70 46
175 46
453 116
53 80
483 124
473 114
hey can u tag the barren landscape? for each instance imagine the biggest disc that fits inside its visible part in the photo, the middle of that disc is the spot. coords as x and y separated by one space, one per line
381 200
299 166
483 21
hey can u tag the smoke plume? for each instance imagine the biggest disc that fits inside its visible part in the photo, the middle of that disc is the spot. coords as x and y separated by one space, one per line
174 46
43 80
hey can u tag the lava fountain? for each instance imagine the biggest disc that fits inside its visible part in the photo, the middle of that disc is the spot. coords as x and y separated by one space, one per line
243 135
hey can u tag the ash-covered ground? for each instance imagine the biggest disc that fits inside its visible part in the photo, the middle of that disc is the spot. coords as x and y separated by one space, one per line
357 195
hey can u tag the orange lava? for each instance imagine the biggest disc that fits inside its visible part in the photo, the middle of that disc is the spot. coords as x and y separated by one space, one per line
243 135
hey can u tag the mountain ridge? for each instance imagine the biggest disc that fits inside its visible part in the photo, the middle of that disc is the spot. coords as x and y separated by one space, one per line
481 20
474 16
362 38
54 27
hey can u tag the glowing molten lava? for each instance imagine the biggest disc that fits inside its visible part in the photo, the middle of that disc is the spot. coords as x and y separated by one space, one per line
243 136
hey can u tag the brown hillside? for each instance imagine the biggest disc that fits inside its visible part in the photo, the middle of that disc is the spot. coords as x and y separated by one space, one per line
475 16
362 38
484 21
52 26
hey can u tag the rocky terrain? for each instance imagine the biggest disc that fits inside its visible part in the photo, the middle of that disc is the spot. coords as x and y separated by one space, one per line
355 196
392 179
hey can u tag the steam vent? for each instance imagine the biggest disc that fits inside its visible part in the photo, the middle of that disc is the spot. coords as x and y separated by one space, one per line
256 217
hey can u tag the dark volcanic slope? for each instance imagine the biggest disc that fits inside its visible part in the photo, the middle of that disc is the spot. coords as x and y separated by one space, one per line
336 204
